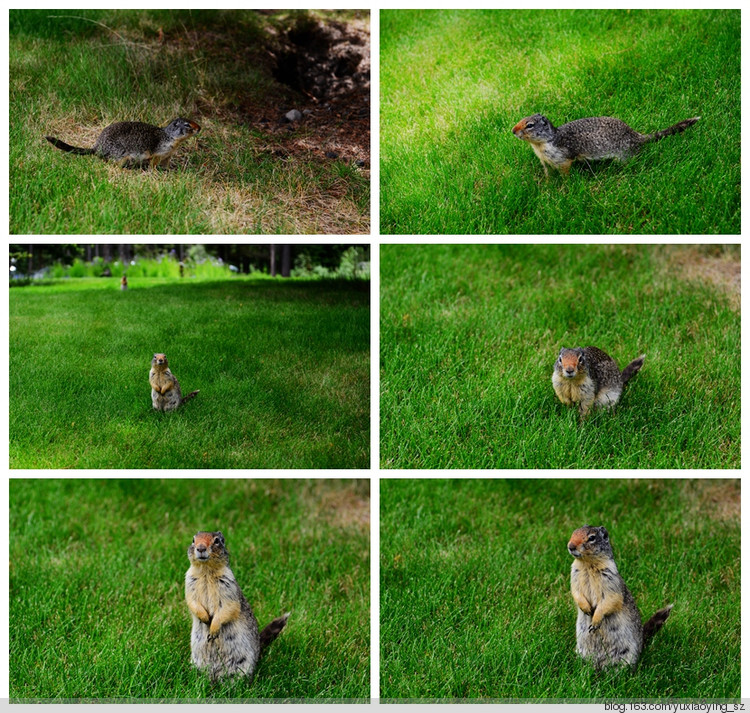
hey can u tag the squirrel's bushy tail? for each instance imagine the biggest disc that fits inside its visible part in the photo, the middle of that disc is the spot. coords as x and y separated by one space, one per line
67 147
271 631
655 623
676 129
189 396
632 369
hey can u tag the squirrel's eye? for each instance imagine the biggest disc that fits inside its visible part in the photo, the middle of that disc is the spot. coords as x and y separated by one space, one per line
592 538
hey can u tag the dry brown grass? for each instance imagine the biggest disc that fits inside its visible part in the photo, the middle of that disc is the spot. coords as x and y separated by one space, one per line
716 499
716 265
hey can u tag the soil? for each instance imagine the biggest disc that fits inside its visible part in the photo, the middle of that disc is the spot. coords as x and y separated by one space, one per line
326 64
715 265
319 65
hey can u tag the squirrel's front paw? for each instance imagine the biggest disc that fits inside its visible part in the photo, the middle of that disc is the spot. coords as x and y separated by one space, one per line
593 628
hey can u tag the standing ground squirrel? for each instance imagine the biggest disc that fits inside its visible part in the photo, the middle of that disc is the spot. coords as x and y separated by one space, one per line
608 629
135 143
165 389
225 638
597 137
590 377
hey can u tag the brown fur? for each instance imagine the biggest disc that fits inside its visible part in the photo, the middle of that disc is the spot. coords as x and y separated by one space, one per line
166 394
608 628
590 378
225 639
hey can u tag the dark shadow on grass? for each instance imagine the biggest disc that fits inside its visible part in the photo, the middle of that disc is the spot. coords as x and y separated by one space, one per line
320 290
310 291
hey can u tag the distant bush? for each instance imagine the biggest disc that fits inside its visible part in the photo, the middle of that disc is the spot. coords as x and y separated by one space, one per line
354 264
77 269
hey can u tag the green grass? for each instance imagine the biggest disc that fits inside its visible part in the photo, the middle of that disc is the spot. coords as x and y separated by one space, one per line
97 603
451 165
76 71
475 587
469 335
282 367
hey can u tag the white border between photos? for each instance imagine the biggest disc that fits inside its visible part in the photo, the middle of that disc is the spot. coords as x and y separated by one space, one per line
375 240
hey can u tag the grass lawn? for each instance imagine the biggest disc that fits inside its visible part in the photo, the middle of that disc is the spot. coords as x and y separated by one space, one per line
97 594
75 72
282 367
455 82
470 333
475 586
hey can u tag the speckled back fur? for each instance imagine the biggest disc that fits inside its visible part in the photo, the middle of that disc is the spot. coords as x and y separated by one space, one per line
136 143
595 138
595 580
590 378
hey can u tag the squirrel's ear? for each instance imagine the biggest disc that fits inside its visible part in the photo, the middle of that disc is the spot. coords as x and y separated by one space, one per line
604 532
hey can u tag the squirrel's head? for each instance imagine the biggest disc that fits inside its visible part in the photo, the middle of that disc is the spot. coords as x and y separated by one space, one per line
536 128
587 539
181 128
206 544
159 360
571 361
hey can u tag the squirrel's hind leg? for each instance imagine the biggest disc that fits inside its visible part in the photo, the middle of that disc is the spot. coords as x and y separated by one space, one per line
564 167
607 398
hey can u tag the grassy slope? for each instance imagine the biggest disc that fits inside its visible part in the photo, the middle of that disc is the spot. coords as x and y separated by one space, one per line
450 163
283 369
71 78
475 597
97 585
469 335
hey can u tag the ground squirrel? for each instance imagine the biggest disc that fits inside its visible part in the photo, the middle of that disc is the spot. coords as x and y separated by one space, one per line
225 637
608 629
597 137
590 377
165 389
133 143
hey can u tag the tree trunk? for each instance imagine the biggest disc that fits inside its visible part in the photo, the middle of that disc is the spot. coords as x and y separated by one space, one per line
286 260
272 269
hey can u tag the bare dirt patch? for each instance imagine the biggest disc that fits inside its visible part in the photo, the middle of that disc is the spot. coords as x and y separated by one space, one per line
345 507
328 64
316 66
716 265
718 499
